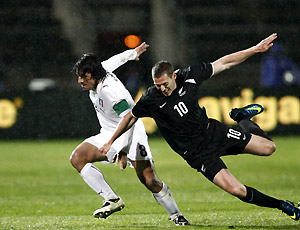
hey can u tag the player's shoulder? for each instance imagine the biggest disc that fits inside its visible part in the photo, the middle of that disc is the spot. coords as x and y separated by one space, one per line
198 72
182 75
111 78
151 94
110 86
203 68
186 72
200 66
112 81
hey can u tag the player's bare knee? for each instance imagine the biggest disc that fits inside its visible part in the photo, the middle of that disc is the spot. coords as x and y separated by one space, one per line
270 148
77 159
149 181
238 191
72 158
153 184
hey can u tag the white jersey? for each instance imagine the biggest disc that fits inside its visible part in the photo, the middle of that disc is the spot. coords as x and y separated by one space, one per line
109 92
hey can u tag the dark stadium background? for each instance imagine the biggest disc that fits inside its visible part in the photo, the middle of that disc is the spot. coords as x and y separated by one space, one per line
42 39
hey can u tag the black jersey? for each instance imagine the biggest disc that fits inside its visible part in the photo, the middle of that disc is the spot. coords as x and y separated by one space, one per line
178 116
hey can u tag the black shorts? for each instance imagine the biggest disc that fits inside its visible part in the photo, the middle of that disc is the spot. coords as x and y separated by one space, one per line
220 140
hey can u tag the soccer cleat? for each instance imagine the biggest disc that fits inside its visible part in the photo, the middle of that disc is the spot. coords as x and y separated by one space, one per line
290 209
180 221
109 207
247 112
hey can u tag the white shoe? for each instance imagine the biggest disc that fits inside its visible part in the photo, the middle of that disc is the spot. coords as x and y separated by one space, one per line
109 207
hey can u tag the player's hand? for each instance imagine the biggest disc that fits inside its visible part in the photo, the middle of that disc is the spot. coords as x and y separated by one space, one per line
140 49
104 149
266 44
122 159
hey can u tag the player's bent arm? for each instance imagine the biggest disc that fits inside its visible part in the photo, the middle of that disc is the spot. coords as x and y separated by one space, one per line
117 60
236 58
126 123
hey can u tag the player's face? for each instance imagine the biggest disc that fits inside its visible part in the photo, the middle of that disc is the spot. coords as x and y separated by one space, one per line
87 82
165 84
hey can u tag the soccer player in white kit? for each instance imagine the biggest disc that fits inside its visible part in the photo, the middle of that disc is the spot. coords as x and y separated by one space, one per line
112 101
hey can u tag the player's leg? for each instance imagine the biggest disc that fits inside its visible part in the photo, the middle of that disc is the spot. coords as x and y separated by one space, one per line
146 174
160 191
85 153
81 159
243 115
226 181
216 171
140 155
260 146
251 127
260 143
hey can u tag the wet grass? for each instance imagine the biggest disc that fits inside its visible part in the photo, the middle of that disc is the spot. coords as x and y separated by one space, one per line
41 190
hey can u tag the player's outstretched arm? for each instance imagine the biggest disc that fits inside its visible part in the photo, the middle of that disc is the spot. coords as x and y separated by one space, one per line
126 123
117 60
233 59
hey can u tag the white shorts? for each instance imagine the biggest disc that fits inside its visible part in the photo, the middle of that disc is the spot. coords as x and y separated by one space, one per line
136 148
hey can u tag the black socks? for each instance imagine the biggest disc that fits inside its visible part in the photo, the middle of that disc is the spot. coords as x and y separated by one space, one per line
255 197
251 127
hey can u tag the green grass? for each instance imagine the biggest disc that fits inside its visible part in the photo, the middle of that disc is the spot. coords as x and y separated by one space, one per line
39 189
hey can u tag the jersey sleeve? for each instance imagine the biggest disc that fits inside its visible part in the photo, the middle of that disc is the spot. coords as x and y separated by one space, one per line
121 107
195 74
116 61
114 95
201 72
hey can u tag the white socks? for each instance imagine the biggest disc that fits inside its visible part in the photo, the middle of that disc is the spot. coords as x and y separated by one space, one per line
165 199
94 178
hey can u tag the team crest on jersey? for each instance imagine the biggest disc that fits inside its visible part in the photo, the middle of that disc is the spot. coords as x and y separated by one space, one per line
99 107
181 92
101 102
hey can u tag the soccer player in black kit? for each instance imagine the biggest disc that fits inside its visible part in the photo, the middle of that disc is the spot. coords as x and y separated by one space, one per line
173 103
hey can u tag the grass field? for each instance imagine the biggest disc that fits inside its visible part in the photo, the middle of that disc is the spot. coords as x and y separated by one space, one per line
40 190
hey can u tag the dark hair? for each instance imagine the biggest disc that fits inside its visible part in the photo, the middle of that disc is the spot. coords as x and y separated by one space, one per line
161 68
89 63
